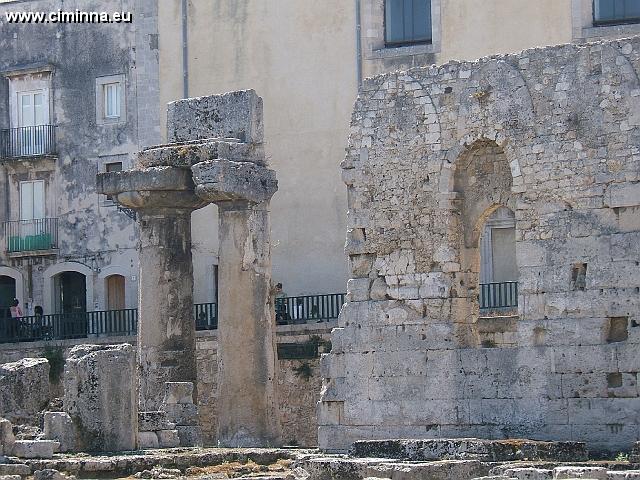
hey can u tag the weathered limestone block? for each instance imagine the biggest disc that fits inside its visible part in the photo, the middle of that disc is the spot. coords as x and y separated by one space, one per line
51 474
101 396
10 477
35 448
190 153
148 440
59 426
153 421
190 436
182 413
178 392
470 448
634 456
523 473
623 474
594 473
7 439
224 180
169 439
24 389
232 115
20 469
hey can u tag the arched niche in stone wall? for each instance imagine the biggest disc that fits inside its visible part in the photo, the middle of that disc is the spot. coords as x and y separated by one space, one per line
482 182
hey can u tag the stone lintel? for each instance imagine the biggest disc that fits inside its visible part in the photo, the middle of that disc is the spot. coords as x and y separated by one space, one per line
234 114
224 180
187 154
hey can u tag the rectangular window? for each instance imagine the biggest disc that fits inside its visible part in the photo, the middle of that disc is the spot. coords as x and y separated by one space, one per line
407 21
112 97
32 200
616 11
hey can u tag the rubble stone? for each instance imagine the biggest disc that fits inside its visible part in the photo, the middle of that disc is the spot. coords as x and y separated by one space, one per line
178 392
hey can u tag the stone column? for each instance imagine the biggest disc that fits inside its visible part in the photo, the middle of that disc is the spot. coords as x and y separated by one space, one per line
247 370
246 330
163 198
166 328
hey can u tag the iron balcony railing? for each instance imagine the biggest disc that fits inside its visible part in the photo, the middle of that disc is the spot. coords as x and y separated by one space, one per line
305 308
28 235
28 141
63 326
503 295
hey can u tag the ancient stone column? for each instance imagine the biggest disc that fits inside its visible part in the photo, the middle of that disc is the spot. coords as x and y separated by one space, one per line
241 187
163 199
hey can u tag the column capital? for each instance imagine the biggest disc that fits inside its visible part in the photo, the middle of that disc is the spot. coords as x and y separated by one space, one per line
153 188
224 180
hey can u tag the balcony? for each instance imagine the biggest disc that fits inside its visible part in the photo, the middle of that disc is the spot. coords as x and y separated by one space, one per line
24 142
498 297
31 235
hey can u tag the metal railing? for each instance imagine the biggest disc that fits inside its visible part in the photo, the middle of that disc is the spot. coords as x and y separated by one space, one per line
113 322
28 235
206 315
61 326
305 308
28 141
503 295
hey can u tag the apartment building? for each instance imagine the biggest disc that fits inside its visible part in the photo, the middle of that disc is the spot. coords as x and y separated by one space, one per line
75 99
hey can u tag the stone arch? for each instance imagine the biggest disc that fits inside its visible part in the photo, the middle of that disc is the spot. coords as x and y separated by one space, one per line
57 268
17 276
482 181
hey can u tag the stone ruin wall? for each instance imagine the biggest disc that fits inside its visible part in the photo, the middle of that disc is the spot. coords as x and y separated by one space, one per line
297 395
554 135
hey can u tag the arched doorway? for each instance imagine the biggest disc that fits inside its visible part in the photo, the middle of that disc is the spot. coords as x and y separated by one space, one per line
70 292
7 294
115 288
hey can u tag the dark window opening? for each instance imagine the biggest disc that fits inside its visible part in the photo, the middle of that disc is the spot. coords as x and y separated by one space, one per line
615 12
407 22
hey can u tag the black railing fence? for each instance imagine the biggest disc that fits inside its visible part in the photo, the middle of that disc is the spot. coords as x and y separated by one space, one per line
61 326
27 235
305 308
28 141
502 295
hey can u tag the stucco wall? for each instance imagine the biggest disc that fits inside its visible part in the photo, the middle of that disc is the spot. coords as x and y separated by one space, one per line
551 133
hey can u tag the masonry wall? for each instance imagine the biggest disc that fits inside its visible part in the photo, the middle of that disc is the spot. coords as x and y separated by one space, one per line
299 380
552 134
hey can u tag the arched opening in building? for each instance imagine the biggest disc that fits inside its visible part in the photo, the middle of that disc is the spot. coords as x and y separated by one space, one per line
70 292
115 288
7 295
498 285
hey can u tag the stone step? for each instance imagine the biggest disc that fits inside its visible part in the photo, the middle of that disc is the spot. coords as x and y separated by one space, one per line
592 473
470 448
35 448
623 475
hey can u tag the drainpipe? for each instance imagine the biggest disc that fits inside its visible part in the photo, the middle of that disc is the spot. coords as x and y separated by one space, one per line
358 46
185 50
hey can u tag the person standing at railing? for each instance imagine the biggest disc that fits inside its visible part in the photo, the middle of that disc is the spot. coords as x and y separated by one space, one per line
16 314
280 304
